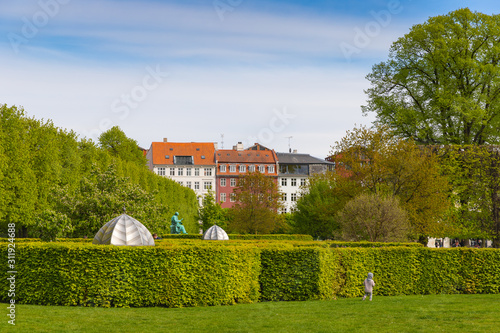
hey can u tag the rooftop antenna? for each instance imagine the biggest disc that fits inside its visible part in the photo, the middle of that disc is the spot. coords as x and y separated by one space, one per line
222 141
289 140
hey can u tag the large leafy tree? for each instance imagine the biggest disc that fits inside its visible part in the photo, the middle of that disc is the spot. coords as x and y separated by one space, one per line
441 83
317 207
474 172
375 161
257 204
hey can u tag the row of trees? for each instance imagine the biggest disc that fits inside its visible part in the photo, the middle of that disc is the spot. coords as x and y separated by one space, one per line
384 188
52 184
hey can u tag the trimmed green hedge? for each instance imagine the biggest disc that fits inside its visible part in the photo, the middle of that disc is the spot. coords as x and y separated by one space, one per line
98 275
218 273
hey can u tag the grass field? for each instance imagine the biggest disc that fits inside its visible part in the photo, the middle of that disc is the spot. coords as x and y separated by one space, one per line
436 313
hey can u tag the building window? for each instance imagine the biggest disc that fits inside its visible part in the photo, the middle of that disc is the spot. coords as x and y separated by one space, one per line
161 171
283 181
283 196
232 168
223 182
223 197
172 171
196 185
293 197
188 184
188 171
262 168
183 160
180 172
181 183
207 185
232 197
196 171
270 169
243 168
302 182
251 168
293 182
222 168
208 171
232 182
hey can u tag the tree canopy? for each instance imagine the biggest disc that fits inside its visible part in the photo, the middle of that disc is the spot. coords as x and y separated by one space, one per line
54 185
257 204
371 217
441 83
376 161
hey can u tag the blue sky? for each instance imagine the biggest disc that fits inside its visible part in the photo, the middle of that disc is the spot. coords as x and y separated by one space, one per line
252 71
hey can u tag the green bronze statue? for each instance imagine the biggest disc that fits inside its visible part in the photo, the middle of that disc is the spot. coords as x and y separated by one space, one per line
177 227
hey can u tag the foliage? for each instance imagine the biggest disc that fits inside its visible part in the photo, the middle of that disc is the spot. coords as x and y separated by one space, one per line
375 161
257 204
211 213
103 195
122 276
118 144
219 273
474 172
317 207
51 225
44 170
441 83
373 218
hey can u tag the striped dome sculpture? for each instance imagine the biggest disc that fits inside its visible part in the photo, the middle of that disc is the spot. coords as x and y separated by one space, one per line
215 233
124 230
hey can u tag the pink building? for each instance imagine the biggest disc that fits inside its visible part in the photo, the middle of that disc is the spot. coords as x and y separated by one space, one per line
234 163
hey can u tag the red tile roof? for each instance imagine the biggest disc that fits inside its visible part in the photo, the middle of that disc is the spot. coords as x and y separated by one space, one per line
203 152
245 156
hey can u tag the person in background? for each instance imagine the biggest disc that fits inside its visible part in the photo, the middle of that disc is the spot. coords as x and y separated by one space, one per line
369 284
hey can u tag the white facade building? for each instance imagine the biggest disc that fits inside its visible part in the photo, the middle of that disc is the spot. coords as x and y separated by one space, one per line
191 164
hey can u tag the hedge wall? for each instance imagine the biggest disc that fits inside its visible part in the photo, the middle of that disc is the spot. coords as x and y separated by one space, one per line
92 275
318 273
218 273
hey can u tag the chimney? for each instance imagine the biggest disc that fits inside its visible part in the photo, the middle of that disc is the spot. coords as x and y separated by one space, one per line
165 140
238 147
216 145
295 151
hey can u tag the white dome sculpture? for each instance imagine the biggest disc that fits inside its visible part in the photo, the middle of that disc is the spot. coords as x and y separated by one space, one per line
124 230
215 233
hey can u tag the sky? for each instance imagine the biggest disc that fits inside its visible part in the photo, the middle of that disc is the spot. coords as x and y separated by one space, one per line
285 74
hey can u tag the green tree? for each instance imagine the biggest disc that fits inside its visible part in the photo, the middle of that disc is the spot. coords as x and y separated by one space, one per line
118 144
474 172
376 161
211 213
257 204
370 217
19 192
103 195
441 83
317 207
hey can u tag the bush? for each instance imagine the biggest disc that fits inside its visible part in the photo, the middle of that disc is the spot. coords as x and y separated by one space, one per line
112 276
194 273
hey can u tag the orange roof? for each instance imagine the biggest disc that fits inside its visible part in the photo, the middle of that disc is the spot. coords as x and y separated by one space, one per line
163 152
245 156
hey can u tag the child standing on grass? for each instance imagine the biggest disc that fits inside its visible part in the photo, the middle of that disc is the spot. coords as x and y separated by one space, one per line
368 283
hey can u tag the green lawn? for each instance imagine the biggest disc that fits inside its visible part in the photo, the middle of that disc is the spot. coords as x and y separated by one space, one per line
436 313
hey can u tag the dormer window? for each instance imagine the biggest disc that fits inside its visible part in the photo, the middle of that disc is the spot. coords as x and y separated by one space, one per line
183 160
